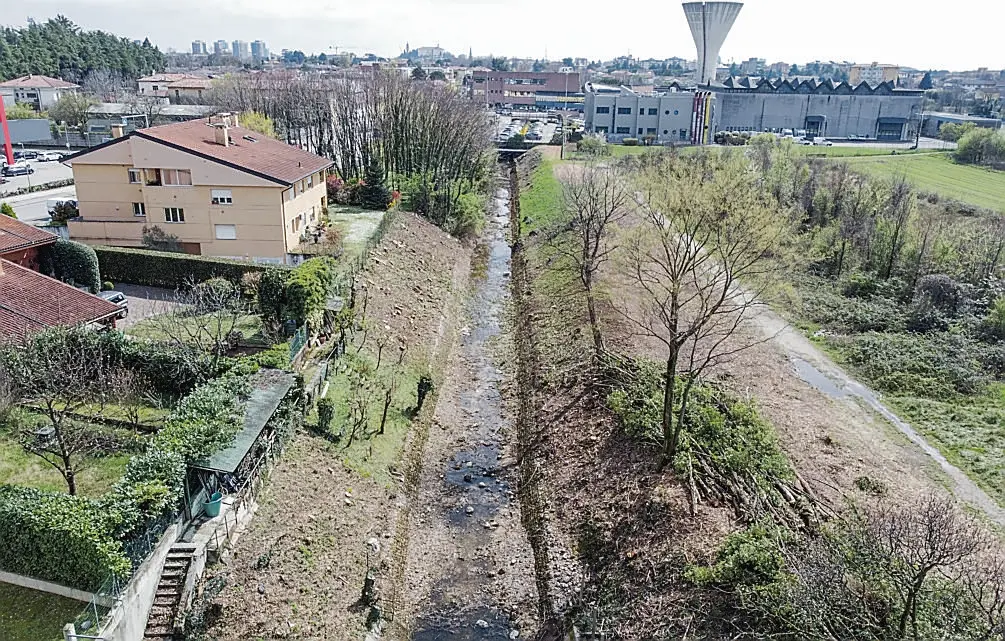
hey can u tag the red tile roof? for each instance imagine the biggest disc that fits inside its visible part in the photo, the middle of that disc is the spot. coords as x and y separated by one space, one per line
15 235
38 82
30 301
191 83
264 157
164 77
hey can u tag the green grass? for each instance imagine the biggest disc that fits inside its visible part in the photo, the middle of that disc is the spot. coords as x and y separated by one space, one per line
356 225
542 202
29 615
373 455
937 172
153 329
18 467
970 432
858 151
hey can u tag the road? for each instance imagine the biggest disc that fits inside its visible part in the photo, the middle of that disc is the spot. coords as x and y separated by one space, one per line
44 172
30 208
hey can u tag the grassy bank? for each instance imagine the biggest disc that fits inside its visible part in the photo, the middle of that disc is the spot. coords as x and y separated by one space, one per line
937 172
542 201
29 615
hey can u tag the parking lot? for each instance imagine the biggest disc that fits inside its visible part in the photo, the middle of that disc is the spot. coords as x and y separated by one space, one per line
535 128
44 172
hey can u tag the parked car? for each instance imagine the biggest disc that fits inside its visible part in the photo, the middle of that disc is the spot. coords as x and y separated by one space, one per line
822 142
50 156
20 168
804 141
117 298
25 154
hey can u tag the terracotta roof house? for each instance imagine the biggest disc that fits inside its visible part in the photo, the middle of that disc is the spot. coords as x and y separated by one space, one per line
19 242
40 92
30 302
189 88
223 190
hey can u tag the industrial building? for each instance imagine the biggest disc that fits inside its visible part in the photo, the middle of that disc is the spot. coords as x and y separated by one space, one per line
691 116
933 121
527 90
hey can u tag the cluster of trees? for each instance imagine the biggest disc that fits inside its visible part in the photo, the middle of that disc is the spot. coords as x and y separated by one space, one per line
60 49
984 147
426 140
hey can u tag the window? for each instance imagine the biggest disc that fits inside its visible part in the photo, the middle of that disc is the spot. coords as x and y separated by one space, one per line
653 111
226 232
310 181
222 197
135 176
600 130
177 176
666 113
174 215
676 112
623 130
603 110
640 131
651 131
155 87
624 111
642 111
139 209
153 177
665 132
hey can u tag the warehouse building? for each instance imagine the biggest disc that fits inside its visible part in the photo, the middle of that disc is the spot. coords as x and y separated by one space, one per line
673 116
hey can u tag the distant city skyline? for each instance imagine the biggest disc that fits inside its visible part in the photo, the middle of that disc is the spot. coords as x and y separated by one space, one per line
861 31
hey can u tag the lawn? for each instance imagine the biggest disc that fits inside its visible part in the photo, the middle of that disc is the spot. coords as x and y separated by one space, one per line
153 329
17 467
355 224
937 172
542 201
29 615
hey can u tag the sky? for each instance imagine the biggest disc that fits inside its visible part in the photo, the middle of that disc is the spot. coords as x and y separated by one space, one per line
886 31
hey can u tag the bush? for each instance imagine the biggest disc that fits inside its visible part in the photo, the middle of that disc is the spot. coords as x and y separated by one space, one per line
107 286
165 269
63 212
59 538
7 210
749 557
276 357
468 215
981 147
852 315
73 263
943 293
936 366
307 290
271 297
157 239
326 414
860 286
994 322
593 146
630 142
206 420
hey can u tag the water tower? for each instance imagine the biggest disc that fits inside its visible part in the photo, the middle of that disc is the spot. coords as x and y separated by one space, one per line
710 22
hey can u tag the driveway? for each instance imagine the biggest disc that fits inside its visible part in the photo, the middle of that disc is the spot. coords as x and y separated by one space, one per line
145 302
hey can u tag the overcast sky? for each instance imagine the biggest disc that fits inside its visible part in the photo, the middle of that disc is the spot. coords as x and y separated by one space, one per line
964 34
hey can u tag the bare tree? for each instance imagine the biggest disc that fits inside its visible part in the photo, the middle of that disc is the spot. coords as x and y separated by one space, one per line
203 319
895 215
596 200
105 85
701 260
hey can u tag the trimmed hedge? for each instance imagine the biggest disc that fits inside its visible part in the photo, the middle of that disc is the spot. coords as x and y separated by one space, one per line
168 269
73 263
59 538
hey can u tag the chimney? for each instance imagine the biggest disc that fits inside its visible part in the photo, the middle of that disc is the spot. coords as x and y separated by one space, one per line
222 132
117 130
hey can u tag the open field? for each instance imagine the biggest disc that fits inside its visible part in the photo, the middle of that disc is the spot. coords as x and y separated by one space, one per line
937 172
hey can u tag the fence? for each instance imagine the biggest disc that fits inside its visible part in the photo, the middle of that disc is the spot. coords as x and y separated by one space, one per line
297 343
344 280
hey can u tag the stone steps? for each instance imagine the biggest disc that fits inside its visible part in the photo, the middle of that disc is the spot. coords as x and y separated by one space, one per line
167 598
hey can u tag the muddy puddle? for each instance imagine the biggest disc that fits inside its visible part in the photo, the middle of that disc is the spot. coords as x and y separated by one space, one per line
459 606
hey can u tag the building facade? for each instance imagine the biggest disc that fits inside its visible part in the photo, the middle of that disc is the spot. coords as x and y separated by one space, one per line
933 122
527 90
198 48
221 48
241 50
675 117
827 109
221 189
259 51
874 74
38 92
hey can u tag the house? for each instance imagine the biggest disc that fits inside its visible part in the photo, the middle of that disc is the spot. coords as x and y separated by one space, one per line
20 242
221 189
189 89
157 84
30 302
102 116
40 92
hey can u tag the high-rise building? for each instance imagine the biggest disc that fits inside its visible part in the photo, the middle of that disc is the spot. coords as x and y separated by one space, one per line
259 51
221 48
198 48
710 22
240 50
874 74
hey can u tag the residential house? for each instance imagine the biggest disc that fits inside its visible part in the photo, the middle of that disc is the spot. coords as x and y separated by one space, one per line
223 190
189 89
157 84
30 301
39 92
102 116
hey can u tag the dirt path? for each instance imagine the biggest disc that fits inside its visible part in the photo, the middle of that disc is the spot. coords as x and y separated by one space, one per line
821 373
470 569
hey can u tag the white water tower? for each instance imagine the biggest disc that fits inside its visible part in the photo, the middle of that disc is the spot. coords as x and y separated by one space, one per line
710 22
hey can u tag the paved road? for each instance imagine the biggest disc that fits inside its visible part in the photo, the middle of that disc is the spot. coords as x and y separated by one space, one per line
44 172
30 208
145 302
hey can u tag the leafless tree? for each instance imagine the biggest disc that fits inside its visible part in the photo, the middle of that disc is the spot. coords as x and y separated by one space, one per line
596 199
701 260
895 215
203 319
105 85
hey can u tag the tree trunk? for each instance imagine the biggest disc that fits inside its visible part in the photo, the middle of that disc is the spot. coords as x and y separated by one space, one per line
71 479
844 243
598 339
670 434
387 404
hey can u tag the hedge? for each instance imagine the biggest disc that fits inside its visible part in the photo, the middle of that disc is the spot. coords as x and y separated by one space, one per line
59 538
73 263
167 269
